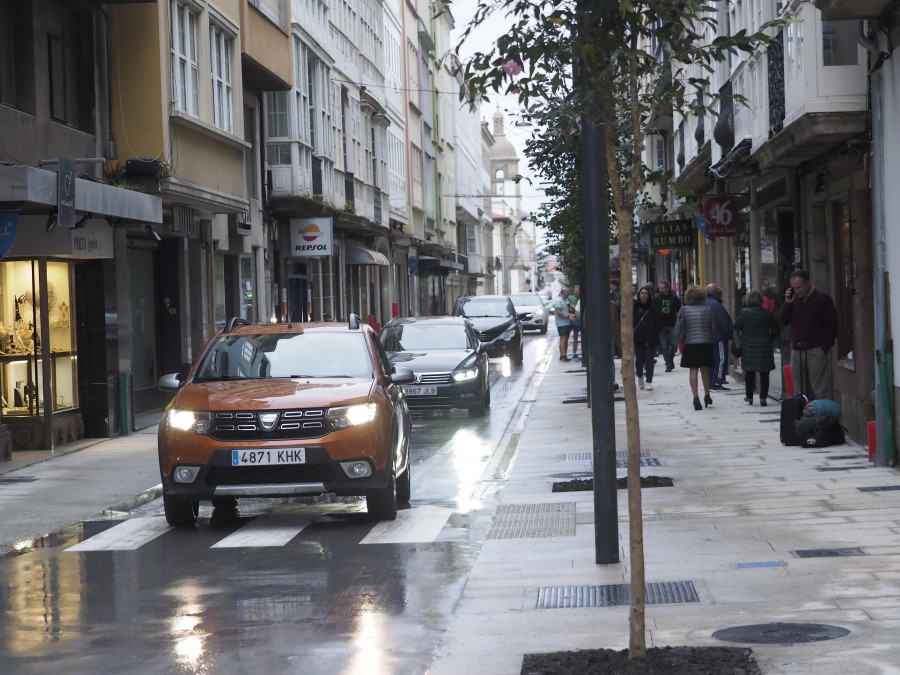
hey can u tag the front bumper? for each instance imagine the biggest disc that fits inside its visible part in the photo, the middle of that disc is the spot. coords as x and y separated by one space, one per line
456 395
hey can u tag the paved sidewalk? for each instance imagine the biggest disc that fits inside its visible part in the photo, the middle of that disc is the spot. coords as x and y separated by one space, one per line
730 529
741 508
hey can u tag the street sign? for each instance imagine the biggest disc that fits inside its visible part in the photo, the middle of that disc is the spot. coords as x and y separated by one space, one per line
721 215
9 223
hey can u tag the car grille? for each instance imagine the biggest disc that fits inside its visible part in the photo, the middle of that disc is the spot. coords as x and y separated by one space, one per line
432 378
274 474
247 426
488 335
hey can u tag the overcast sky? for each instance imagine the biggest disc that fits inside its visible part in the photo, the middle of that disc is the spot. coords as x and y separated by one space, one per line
482 40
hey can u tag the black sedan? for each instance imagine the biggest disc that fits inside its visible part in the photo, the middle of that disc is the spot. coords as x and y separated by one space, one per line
449 362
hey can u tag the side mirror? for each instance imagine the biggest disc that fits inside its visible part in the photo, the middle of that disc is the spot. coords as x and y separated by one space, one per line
524 316
401 375
170 382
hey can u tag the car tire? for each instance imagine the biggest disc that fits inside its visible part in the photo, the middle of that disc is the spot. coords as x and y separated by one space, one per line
382 503
518 356
543 330
404 486
487 397
477 410
180 512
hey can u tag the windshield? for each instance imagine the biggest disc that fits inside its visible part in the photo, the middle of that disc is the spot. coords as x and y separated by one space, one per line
525 299
281 355
422 336
475 308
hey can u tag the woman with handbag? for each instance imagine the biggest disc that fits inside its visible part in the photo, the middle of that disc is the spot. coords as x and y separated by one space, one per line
694 329
647 325
754 331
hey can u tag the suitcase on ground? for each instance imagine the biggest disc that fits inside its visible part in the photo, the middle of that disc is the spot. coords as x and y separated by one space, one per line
791 411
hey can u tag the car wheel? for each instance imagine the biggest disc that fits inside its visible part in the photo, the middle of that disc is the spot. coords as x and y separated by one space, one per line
382 504
224 503
180 512
543 330
517 357
404 486
487 397
477 410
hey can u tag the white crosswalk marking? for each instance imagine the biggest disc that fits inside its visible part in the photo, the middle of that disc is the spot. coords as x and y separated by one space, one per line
127 536
418 525
272 530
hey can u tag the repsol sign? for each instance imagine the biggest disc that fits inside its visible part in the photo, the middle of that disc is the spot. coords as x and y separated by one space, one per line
311 237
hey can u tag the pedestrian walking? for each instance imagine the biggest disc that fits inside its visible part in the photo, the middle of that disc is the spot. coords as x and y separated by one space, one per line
721 335
694 330
575 309
769 296
755 329
668 304
647 324
813 320
563 319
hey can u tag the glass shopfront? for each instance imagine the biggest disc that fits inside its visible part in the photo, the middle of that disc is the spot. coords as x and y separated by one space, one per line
26 336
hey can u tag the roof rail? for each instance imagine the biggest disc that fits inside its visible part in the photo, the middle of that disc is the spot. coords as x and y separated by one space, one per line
234 322
354 322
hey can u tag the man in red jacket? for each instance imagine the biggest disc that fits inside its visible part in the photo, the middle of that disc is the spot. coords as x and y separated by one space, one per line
813 320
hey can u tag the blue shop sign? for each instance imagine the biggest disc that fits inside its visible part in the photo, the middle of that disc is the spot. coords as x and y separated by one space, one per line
9 223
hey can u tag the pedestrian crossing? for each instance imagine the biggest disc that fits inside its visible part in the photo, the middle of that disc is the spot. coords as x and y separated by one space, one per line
422 524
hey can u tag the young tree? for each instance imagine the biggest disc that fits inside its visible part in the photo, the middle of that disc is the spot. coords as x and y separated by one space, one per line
613 64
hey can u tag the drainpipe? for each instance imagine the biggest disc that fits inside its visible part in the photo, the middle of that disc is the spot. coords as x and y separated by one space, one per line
884 412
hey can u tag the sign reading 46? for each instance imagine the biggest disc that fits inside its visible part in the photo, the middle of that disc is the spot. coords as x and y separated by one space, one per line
721 215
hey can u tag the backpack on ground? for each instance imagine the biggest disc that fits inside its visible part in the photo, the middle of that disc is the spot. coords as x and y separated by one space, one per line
825 431
791 411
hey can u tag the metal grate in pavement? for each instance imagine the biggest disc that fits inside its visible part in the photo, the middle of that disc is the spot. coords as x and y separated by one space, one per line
829 552
532 521
614 595
576 397
621 458
17 479
879 488
841 468
577 457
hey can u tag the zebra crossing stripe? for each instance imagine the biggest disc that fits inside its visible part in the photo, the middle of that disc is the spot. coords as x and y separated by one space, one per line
271 530
422 524
126 536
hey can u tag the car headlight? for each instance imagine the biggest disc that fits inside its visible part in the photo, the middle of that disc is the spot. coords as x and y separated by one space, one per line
345 417
189 420
465 374
509 334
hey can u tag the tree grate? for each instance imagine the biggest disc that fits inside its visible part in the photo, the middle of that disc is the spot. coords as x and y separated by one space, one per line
532 521
615 595
829 552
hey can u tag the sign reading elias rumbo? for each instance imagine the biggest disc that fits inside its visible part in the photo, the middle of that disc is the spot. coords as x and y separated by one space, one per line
666 234
311 237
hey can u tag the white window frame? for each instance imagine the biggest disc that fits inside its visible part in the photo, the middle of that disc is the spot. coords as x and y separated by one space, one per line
221 51
183 47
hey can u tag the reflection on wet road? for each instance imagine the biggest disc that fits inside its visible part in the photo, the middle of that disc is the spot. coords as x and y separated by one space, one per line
279 585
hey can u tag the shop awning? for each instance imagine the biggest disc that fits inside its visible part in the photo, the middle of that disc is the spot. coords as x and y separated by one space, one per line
359 254
440 263
33 190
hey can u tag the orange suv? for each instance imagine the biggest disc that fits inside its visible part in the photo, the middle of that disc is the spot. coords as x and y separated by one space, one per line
284 410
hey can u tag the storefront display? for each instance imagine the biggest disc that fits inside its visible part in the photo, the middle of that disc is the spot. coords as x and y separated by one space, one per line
23 354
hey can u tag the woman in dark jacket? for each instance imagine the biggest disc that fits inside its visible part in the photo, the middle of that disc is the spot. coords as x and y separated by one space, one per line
647 324
754 330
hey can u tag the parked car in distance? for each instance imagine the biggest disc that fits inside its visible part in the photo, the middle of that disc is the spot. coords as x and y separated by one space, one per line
496 322
449 362
282 410
531 305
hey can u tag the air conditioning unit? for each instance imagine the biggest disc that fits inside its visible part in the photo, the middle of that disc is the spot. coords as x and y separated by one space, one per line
239 224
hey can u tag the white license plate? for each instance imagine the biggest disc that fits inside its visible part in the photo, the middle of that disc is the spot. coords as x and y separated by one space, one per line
420 391
263 457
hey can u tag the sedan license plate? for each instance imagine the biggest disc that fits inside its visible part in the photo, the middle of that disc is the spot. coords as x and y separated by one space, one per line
420 391
264 457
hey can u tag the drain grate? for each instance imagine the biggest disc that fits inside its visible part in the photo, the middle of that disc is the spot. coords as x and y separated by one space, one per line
577 457
17 479
781 633
615 595
879 488
835 457
829 552
621 458
531 521
840 468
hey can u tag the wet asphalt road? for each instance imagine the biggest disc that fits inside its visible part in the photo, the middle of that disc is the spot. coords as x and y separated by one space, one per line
278 586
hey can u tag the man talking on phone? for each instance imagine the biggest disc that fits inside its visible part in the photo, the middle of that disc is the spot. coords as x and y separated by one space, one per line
813 320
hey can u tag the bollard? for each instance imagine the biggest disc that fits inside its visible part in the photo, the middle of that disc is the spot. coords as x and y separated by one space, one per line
872 430
788 381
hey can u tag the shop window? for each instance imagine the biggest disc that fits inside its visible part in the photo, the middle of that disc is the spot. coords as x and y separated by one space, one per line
23 348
